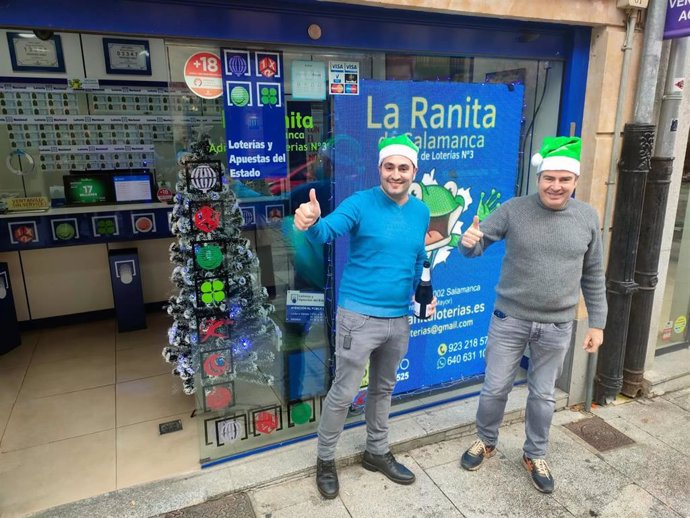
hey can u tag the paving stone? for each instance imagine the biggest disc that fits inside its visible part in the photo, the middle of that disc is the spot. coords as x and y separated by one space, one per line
298 498
662 419
634 502
653 465
321 509
584 482
680 398
568 415
441 452
499 488
369 494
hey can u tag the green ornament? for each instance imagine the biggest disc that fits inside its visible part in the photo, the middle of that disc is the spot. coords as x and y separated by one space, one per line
105 226
64 231
212 292
209 257
269 95
239 96
301 413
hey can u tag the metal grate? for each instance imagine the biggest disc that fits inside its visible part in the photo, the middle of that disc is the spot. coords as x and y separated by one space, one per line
236 505
599 433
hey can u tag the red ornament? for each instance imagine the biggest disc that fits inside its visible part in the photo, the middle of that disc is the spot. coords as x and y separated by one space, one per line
218 398
266 422
207 219
268 67
214 329
23 234
215 364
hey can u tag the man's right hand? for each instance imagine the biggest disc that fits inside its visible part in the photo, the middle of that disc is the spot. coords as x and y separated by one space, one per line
472 235
307 213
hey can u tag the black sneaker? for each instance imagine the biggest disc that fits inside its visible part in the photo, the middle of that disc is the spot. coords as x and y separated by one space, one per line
541 474
475 455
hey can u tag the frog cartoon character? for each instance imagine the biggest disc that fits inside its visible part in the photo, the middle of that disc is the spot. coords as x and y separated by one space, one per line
446 204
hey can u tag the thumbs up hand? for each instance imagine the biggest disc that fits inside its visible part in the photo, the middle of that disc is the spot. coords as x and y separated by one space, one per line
307 213
472 235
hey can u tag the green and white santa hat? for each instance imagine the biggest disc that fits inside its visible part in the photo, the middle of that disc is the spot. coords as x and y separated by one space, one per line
401 145
559 154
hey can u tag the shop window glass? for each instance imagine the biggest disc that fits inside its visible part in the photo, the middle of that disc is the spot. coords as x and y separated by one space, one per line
675 308
289 265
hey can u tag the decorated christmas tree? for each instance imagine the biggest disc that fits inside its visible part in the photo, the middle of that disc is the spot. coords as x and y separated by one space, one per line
222 328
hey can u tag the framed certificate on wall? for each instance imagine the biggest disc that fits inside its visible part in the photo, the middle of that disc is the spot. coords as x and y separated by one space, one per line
131 57
30 54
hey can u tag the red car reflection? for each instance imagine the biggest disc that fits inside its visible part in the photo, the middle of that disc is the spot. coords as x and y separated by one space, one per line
299 175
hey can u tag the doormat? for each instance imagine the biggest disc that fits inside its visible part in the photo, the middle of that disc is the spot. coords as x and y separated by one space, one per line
599 434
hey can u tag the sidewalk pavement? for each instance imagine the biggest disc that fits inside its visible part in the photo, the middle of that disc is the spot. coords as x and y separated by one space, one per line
647 478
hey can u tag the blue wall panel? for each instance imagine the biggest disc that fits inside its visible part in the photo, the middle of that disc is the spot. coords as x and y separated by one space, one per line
342 26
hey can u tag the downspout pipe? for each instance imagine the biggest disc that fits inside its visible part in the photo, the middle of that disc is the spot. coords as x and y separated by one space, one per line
635 163
613 174
618 127
653 213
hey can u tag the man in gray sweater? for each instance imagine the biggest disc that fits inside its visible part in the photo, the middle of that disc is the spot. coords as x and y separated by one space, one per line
553 250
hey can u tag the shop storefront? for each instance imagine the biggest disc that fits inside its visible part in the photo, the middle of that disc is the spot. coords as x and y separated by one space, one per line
102 114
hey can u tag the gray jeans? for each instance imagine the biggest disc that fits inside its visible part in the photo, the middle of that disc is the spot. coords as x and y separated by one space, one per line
382 341
548 345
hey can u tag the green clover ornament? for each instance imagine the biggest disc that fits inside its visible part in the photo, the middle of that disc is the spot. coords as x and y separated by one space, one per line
269 95
212 292
105 227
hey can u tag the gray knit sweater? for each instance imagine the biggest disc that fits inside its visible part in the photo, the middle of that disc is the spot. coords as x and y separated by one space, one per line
550 256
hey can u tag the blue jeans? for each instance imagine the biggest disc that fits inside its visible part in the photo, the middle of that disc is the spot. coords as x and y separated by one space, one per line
382 341
508 339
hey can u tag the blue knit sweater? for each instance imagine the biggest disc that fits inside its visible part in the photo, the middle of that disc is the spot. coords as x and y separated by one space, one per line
386 250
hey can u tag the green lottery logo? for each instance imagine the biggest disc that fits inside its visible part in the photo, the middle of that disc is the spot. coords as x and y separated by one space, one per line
105 227
269 95
301 413
65 231
239 96
212 292
209 257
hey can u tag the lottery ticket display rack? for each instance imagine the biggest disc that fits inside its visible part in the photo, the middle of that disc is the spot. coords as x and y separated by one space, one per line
111 128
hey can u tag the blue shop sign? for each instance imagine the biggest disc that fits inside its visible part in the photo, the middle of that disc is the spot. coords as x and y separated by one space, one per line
254 114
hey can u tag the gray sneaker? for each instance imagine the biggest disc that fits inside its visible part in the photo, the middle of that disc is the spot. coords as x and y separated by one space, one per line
475 455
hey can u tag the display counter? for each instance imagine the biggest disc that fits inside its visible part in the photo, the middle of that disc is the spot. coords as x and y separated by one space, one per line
58 259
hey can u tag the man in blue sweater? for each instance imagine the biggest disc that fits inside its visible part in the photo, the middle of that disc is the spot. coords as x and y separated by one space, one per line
387 229
553 251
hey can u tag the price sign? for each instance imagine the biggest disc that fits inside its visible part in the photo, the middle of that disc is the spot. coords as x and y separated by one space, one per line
202 73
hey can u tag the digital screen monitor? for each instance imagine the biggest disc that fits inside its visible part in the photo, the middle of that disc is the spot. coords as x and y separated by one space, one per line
87 190
133 187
